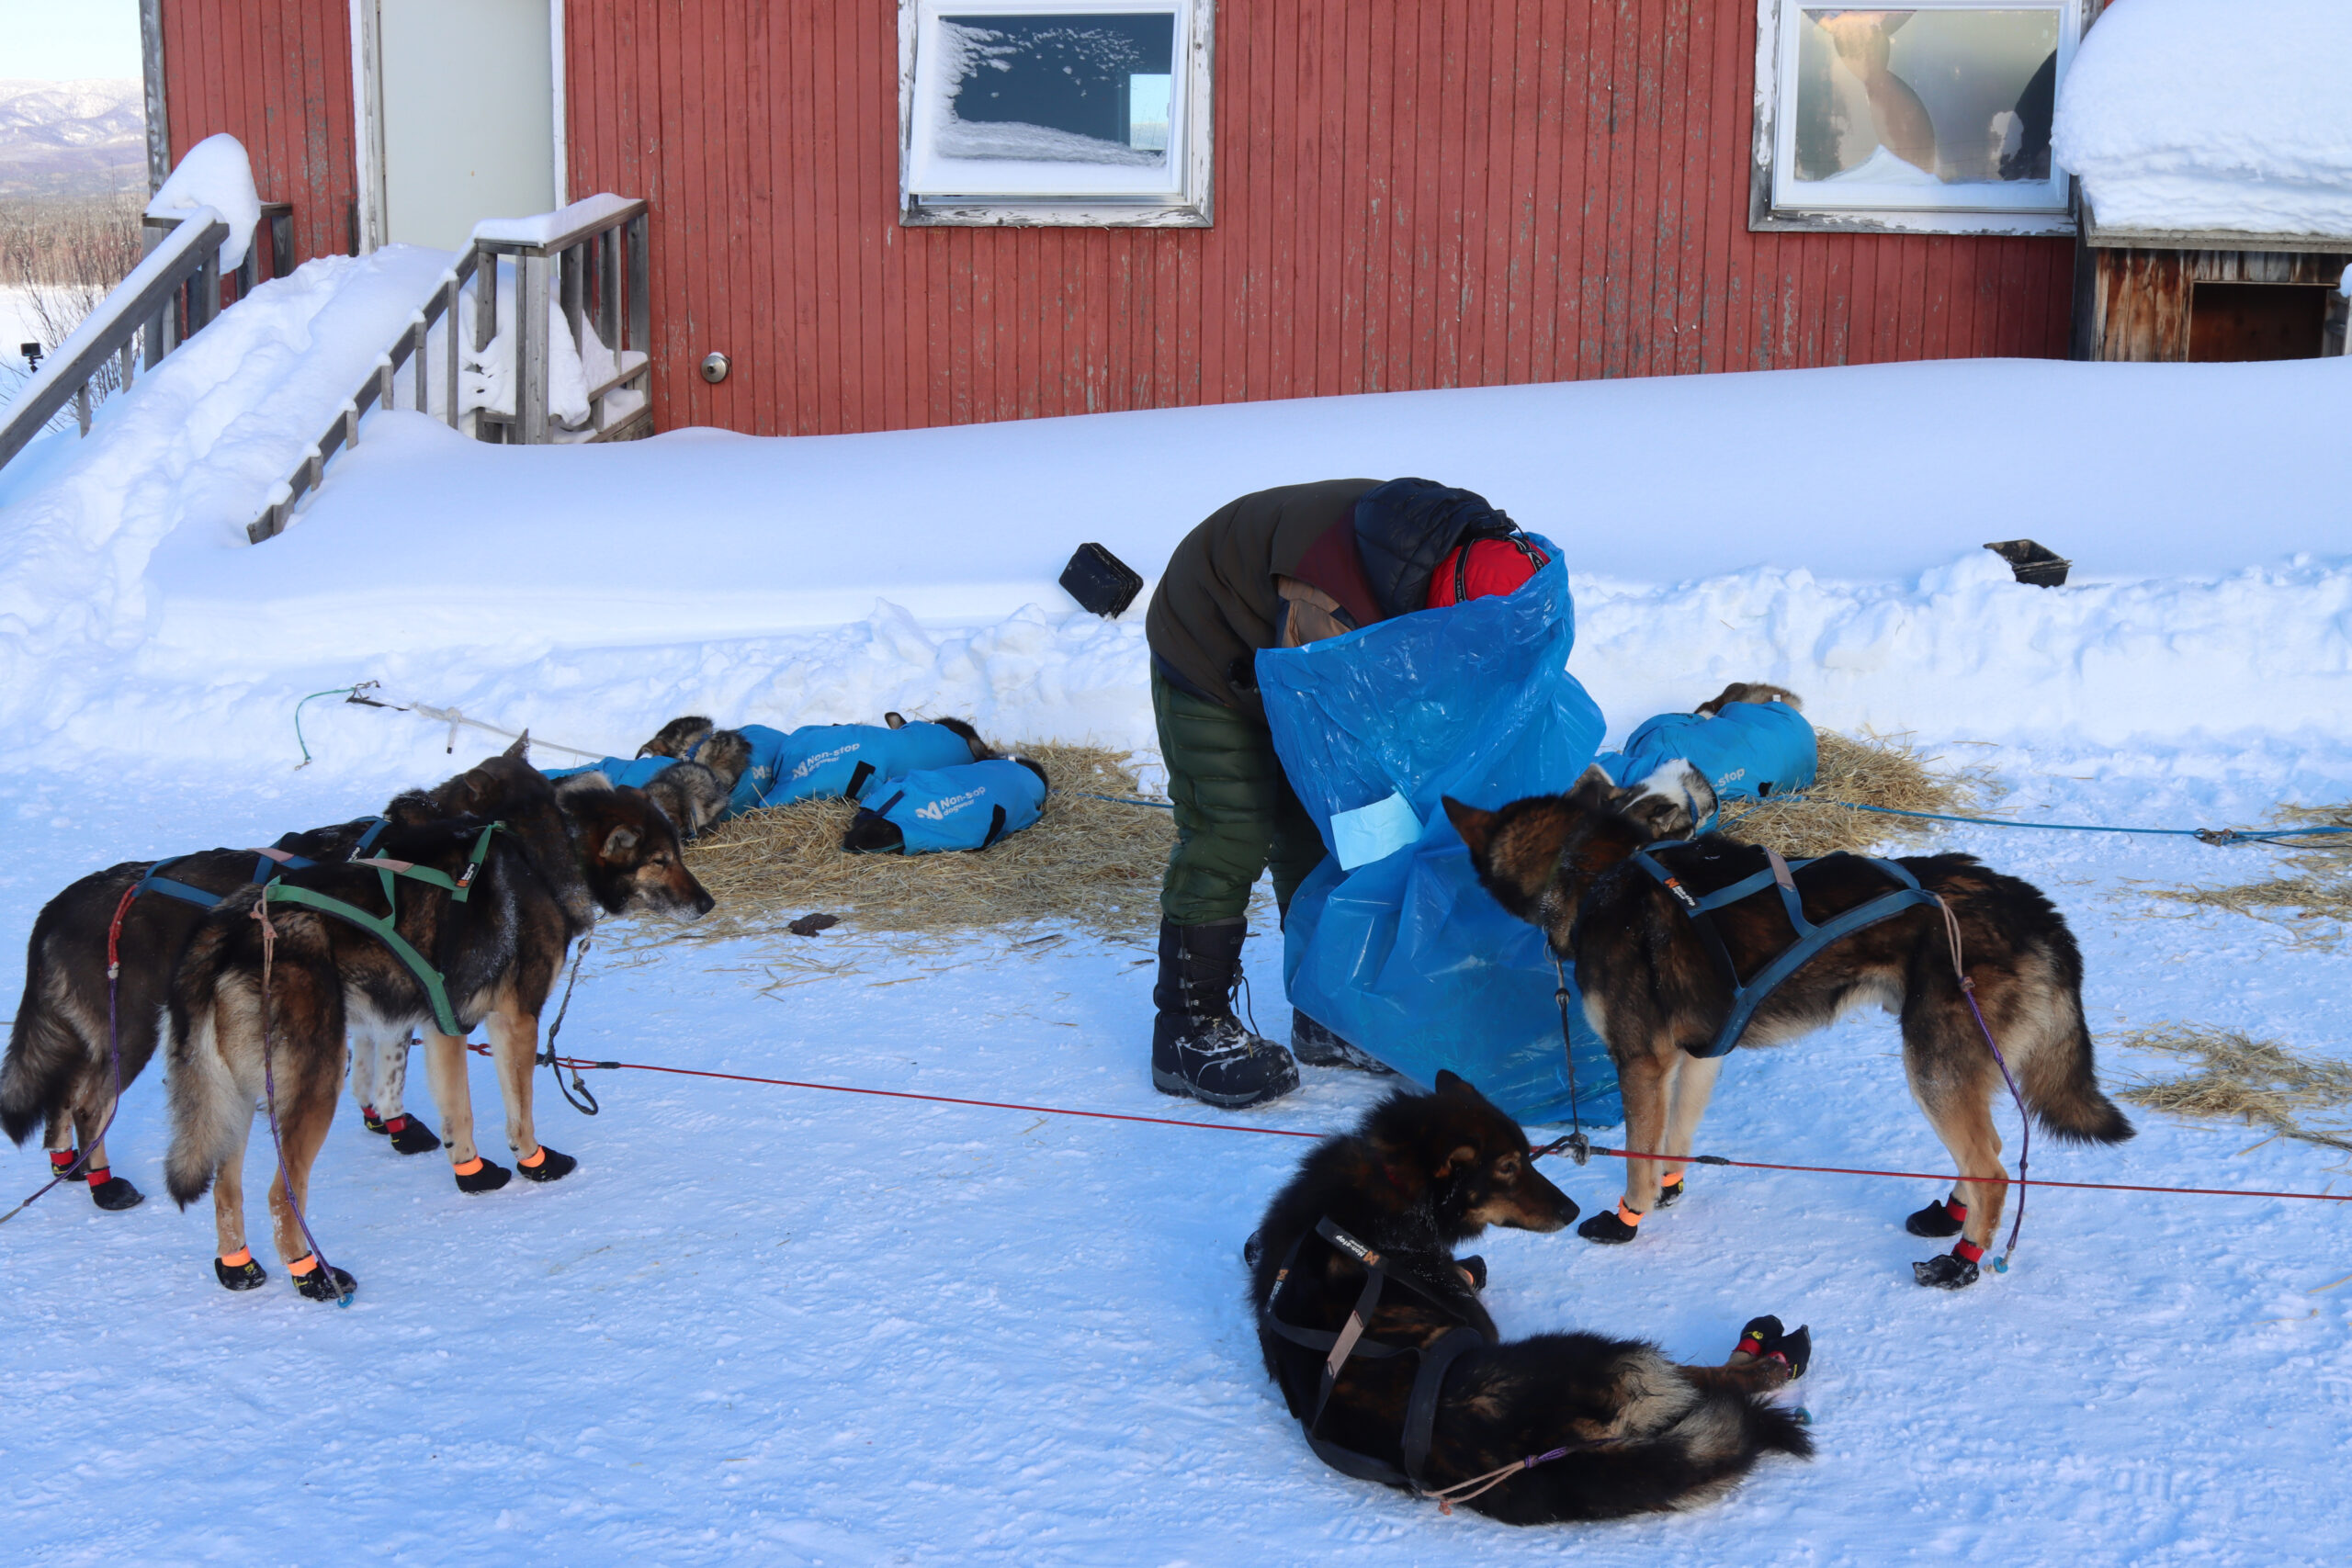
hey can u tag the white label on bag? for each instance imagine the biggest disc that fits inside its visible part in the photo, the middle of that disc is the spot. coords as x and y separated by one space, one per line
1374 832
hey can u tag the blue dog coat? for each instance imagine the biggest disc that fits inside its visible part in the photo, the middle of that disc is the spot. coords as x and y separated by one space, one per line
1746 752
815 760
966 807
839 759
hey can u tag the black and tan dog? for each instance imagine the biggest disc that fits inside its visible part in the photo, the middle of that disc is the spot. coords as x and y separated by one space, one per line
60 1068
1654 994
558 859
1423 1173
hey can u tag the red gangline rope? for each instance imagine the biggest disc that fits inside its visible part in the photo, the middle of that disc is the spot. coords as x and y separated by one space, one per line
578 1063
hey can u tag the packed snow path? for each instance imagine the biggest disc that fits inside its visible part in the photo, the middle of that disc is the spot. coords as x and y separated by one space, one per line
779 1325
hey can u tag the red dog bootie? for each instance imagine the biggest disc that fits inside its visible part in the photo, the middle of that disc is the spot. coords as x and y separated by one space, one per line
410 1136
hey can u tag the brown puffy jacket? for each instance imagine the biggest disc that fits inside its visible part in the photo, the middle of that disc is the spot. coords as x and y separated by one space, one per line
1219 600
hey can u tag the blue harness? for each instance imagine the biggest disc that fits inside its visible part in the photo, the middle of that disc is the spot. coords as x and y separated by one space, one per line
1810 938
268 863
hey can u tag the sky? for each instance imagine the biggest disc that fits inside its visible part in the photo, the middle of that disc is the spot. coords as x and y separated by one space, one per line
65 39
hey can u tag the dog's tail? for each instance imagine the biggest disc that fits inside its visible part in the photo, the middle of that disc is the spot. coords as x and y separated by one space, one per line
210 1110
1713 1443
2061 1087
42 1053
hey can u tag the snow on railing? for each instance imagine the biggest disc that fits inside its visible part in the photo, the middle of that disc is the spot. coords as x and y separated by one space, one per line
499 385
593 253
189 257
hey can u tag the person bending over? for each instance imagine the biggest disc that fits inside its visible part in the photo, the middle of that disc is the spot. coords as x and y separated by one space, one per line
1277 569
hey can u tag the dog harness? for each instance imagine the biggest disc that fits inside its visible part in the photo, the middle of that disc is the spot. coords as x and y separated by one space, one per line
1429 1380
381 927
1749 996
268 865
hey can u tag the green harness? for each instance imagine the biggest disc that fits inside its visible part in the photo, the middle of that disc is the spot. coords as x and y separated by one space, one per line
445 1016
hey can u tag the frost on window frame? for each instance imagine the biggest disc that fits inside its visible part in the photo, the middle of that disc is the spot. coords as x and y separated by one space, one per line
1076 113
1846 141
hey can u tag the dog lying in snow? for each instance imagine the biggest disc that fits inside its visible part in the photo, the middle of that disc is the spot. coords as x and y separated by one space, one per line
1654 990
1422 1173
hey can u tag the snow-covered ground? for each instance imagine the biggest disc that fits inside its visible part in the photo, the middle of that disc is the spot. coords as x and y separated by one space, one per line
774 1325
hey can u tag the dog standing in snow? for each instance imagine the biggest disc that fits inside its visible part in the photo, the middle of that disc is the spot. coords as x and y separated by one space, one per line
1376 1334
1656 995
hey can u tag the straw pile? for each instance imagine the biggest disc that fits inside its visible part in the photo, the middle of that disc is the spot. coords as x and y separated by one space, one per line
2314 903
1094 864
2257 1082
1873 769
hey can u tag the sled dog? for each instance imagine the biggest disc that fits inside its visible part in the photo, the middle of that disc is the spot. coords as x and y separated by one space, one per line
59 1071
1422 1173
1654 992
536 862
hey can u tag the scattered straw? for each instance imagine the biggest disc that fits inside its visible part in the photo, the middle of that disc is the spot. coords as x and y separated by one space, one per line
1093 864
2258 1082
1871 770
2314 903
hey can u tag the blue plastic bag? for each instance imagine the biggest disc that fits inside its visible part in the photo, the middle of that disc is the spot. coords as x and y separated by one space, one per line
1393 943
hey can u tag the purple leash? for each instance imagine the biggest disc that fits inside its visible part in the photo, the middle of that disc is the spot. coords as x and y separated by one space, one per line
2025 1123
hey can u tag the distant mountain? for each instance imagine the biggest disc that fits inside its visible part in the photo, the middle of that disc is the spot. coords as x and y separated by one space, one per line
72 138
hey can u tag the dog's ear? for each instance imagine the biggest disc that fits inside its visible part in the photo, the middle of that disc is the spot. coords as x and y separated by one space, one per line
1474 825
1594 790
1453 1086
619 842
1464 1156
895 720
521 750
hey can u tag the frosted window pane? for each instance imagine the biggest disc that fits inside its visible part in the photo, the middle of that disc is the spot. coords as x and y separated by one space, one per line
1060 89
1925 98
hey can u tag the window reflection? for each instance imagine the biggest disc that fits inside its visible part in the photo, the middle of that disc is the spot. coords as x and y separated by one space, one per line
1925 98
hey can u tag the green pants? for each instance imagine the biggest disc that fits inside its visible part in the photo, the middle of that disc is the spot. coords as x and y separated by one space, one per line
1236 814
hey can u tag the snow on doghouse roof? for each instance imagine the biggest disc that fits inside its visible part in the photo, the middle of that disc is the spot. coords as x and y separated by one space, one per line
2193 115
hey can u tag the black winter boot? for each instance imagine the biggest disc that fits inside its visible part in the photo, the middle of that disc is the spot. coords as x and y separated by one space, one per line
1319 1047
1198 1047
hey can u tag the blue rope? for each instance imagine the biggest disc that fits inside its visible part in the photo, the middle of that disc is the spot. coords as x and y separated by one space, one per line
1121 799
2208 835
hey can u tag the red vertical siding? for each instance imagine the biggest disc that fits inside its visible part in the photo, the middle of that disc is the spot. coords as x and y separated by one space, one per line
1408 193
276 76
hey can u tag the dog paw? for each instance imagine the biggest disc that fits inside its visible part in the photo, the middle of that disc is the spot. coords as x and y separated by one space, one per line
1608 1229
328 1284
247 1276
484 1175
553 1167
411 1136
1795 1348
1669 1193
116 1193
1936 1222
1474 1270
1253 1249
1945 1272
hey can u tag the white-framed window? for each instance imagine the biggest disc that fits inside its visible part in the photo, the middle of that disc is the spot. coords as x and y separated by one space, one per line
1930 118
1074 112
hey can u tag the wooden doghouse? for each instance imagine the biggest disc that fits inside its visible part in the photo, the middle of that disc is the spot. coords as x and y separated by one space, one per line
2207 294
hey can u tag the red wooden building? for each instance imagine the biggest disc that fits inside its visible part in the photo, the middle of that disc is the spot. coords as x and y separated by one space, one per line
1272 198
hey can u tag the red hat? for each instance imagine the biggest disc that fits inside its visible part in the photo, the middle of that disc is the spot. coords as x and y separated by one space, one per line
1483 566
